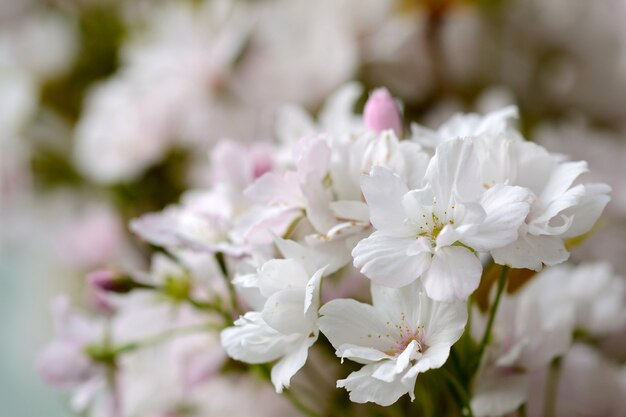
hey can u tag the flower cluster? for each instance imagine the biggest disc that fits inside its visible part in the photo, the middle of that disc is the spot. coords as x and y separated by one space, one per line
383 237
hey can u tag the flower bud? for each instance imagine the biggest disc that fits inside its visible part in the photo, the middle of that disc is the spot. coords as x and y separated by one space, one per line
382 113
107 280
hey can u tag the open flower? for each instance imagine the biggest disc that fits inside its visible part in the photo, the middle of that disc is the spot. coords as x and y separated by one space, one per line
286 327
433 232
401 335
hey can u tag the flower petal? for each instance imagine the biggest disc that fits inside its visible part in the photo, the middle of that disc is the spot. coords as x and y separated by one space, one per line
453 276
363 387
289 365
386 261
383 190
506 207
530 251
349 322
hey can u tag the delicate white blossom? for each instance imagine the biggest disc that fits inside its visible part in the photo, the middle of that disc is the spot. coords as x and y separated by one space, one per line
404 333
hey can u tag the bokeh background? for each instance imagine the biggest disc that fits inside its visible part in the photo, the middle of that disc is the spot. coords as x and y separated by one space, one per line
108 109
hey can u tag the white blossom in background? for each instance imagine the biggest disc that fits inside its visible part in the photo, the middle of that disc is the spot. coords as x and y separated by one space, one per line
589 385
593 290
404 333
65 363
528 333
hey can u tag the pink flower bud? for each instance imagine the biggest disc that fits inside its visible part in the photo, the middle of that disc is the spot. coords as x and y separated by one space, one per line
102 279
107 280
382 113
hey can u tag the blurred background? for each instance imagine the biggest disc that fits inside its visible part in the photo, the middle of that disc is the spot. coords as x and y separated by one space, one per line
109 107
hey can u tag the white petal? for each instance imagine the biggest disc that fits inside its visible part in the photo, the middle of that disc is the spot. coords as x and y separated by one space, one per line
272 188
351 210
397 306
433 358
317 204
312 293
365 388
288 366
386 261
280 274
444 323
531 252
454 171
563 176
499 394
283 311
363 355
542 222
506 208
588 209
453 275
383 190
348 322
415 161
251 340
389 371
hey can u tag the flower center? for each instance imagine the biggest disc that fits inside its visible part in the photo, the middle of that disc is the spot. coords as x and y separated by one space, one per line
431 225
408 334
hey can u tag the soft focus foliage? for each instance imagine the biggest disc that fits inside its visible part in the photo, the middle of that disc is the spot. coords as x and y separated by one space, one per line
285 207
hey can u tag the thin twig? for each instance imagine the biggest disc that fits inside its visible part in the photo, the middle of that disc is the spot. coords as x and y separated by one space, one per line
492 316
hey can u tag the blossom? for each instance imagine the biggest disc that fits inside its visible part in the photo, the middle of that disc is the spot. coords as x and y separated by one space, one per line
65 362
595 293
588 385
432 232
528 333
563 206
202 222
286 327
402 334
382 113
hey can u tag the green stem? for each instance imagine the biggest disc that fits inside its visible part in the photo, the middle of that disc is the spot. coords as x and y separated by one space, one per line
299 404
464 403
552 386
205 305
492 316
107 353
521 411
221 261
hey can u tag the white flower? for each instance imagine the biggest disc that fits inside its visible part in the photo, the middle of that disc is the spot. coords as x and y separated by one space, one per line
588 385
202 222
527 334
65 362
286 327
432 232
596 294
562 206
401 335
464 126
